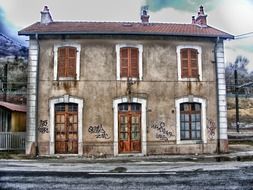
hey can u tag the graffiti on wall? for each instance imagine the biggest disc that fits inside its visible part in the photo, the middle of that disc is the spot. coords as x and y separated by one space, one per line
98 131
211 127
161 132
43 126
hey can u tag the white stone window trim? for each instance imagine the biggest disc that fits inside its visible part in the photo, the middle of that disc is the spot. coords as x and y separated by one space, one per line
65 99
143 103
140 49
199 49
203 119
78 48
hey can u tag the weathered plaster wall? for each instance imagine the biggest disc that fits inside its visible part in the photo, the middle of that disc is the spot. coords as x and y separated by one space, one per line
98 87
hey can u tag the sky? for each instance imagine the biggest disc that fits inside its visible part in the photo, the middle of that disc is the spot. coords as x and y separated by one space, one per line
232 16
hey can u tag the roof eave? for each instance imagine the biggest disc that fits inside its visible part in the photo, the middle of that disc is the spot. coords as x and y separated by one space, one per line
123 33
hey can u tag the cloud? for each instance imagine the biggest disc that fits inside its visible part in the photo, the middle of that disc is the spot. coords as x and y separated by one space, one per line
186 5
3 28
241 47
8 29
233 17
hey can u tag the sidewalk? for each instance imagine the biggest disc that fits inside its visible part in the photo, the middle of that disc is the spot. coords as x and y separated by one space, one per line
237 152
240 149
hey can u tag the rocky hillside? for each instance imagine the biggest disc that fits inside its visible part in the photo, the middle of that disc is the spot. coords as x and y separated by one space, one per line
9 47
13 84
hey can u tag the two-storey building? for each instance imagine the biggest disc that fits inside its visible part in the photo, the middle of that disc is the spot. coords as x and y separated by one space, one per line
125 88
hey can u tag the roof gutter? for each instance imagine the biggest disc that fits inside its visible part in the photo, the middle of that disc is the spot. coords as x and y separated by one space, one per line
125 33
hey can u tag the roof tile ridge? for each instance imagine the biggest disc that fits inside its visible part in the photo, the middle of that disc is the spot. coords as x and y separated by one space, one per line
82 21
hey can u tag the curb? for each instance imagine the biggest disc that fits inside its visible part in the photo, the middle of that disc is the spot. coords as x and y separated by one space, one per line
238 156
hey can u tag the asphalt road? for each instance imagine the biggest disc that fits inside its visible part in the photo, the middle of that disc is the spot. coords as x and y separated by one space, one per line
239 177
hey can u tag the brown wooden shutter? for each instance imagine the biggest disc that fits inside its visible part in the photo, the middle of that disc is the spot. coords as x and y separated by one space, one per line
184 63
124 62
129 62
67 62
189 63
134 66
61 62
194 63
71 63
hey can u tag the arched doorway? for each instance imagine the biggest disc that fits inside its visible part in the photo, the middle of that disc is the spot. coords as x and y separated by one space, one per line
130 129
66 128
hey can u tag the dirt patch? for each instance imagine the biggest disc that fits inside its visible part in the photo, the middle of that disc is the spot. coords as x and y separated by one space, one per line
244 103
245 110
119 170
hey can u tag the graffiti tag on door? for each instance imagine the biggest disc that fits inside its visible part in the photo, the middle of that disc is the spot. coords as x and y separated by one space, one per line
98 131
161 132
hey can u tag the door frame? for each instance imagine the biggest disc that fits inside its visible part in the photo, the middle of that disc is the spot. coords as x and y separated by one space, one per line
67 115
143 103
65 99
129 114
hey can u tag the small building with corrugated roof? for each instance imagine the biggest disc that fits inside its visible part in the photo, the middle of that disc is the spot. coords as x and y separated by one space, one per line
12 117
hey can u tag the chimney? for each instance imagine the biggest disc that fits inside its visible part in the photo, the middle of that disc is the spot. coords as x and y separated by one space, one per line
193 20
201 18
46 16
201 10
144 15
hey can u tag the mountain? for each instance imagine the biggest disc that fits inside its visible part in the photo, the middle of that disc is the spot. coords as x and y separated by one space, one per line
9 47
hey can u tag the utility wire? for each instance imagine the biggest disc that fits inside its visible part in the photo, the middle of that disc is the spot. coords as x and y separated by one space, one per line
246 35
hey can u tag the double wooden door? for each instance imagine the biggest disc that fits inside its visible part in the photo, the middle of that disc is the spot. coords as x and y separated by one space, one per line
66 128
129 128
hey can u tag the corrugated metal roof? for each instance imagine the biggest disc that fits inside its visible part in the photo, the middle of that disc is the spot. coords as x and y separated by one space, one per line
124 28
13 107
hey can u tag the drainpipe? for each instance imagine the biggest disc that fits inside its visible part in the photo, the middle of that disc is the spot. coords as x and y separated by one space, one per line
37 96
217 95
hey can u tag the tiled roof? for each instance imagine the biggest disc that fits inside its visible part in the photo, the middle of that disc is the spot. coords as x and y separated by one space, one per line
13 107
124 28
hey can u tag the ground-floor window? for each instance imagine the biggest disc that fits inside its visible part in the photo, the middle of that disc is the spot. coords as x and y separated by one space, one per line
66 128
190 121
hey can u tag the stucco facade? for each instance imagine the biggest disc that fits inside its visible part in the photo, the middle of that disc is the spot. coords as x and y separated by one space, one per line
98 87
98 90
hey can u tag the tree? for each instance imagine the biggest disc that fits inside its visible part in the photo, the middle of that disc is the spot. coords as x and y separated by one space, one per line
244 76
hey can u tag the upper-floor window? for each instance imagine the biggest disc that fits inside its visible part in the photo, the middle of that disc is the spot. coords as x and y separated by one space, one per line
129 66
67 62
129 61
189 62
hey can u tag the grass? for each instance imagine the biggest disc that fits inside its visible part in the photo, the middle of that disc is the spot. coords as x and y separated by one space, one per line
12 155
246 142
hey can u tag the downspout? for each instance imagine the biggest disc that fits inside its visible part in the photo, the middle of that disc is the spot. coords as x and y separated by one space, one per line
217 95
37 96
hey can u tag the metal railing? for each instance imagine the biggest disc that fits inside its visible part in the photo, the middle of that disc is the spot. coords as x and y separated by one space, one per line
12 140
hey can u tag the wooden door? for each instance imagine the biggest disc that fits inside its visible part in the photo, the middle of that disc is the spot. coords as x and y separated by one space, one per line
129 128
66 129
